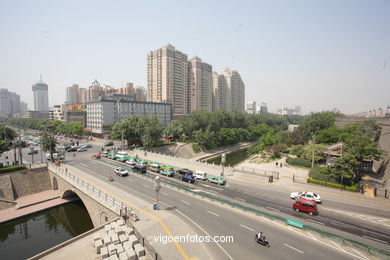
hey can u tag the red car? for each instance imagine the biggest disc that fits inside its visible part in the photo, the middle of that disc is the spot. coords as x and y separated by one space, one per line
304 205
96 156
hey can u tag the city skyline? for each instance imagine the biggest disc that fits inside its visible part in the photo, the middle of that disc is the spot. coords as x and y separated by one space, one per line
317 55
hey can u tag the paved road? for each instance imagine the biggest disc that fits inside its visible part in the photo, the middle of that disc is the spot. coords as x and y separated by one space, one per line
205 216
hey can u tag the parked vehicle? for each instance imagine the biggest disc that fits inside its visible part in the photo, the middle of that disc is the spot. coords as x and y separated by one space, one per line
121 156
304 205
166 172
167 167
104 154
81 149
188 178
140 168
306 195
142 162
184 171
155 168
72 149
111 155
217 180
200 175
131 160
109 143
87 146
96 156
32 152
121 171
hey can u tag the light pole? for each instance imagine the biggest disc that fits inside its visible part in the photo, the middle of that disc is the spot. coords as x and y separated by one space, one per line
157 187
32 154
223 160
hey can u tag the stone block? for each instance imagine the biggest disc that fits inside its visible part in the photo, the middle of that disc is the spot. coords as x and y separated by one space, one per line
123 256
115 239
127 245
106 240
119 248
122 238
129 231
107 228
139 250
114 257
142 257
120 222
131 254
119 230
133 240
113 225
111 249
98 246
96 237
104 252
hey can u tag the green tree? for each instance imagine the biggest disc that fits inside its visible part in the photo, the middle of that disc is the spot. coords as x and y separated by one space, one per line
48 142
151 130
297 150
317 122
346 165
318 152
129 129
268 140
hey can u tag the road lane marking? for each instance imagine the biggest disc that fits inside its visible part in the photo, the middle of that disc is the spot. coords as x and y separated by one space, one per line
293 248
208 186
312 236
239 199
146 186
215 214
185 202
273 209
204 191
375 239
342 249
251 229
166 194
314 221
360 254
83 164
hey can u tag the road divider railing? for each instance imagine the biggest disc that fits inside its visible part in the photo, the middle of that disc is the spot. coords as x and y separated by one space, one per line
227 169
371 250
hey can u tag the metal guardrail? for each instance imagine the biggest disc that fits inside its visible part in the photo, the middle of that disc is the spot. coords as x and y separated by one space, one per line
374 251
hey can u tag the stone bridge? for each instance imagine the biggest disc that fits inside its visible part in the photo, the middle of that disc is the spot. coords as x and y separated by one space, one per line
102 207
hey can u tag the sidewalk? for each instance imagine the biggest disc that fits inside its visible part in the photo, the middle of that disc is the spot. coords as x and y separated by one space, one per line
31 204
152 223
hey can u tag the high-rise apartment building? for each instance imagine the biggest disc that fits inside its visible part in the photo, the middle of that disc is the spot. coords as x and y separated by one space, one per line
263 108
9 103
235 91
41 98
219 92
56 113
140 93
128 89
251 107
73 95
23 106
167 78
200 81
94 92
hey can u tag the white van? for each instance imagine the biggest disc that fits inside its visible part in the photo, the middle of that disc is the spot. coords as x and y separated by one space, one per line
104 154
121 155
155 167
200 175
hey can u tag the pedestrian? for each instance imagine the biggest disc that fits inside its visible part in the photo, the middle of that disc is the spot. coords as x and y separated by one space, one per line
281 165
276 164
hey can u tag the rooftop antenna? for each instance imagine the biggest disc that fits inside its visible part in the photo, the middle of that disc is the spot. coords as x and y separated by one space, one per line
40 78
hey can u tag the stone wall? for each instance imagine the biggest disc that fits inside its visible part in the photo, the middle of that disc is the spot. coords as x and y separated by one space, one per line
6 192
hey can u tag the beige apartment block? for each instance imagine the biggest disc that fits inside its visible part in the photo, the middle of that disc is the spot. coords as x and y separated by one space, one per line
200 83
167 78
235 91
219 92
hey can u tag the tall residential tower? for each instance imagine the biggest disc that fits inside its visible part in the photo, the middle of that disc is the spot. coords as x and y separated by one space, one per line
200 83
41 99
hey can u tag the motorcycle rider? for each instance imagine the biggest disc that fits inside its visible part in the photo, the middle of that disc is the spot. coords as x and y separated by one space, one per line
260 236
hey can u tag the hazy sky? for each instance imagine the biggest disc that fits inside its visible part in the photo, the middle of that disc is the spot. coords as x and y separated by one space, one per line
316 54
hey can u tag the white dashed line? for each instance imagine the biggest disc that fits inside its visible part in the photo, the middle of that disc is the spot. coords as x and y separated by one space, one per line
273 209
146 186
215 214
375 239
360 254
312 236
338 246
239 199
185 202
251 229
166 194
293 248
317 222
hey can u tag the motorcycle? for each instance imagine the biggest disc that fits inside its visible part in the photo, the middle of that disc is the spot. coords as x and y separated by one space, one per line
262 241
110 178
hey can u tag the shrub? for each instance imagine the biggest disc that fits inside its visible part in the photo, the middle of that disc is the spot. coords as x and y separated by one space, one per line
299 162
353 188
12 168
196 148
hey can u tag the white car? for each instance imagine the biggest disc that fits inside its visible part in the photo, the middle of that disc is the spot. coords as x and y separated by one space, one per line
200 175
131 162
121 172
306 195
82 149
104 154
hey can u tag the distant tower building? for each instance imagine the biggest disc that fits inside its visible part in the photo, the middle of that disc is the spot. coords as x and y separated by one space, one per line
263 108
140 93
23 106
297 110
235 92
41 98
219 92
73 95
251 107
200 82
168 78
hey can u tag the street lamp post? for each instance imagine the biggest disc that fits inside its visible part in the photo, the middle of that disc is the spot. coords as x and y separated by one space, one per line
32 154
223 160
157 187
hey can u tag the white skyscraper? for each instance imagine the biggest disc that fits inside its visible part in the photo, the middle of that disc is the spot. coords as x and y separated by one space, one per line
167 78
235 91
41 99
199 85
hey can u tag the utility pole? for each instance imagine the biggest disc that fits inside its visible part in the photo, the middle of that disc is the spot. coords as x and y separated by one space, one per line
14 143
122 140
20 150
223 160
157 187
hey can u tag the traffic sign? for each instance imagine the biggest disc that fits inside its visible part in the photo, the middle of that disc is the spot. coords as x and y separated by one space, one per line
294 223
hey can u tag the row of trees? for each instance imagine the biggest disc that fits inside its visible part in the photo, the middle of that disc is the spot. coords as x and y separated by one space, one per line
6 137
219 128
59 127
